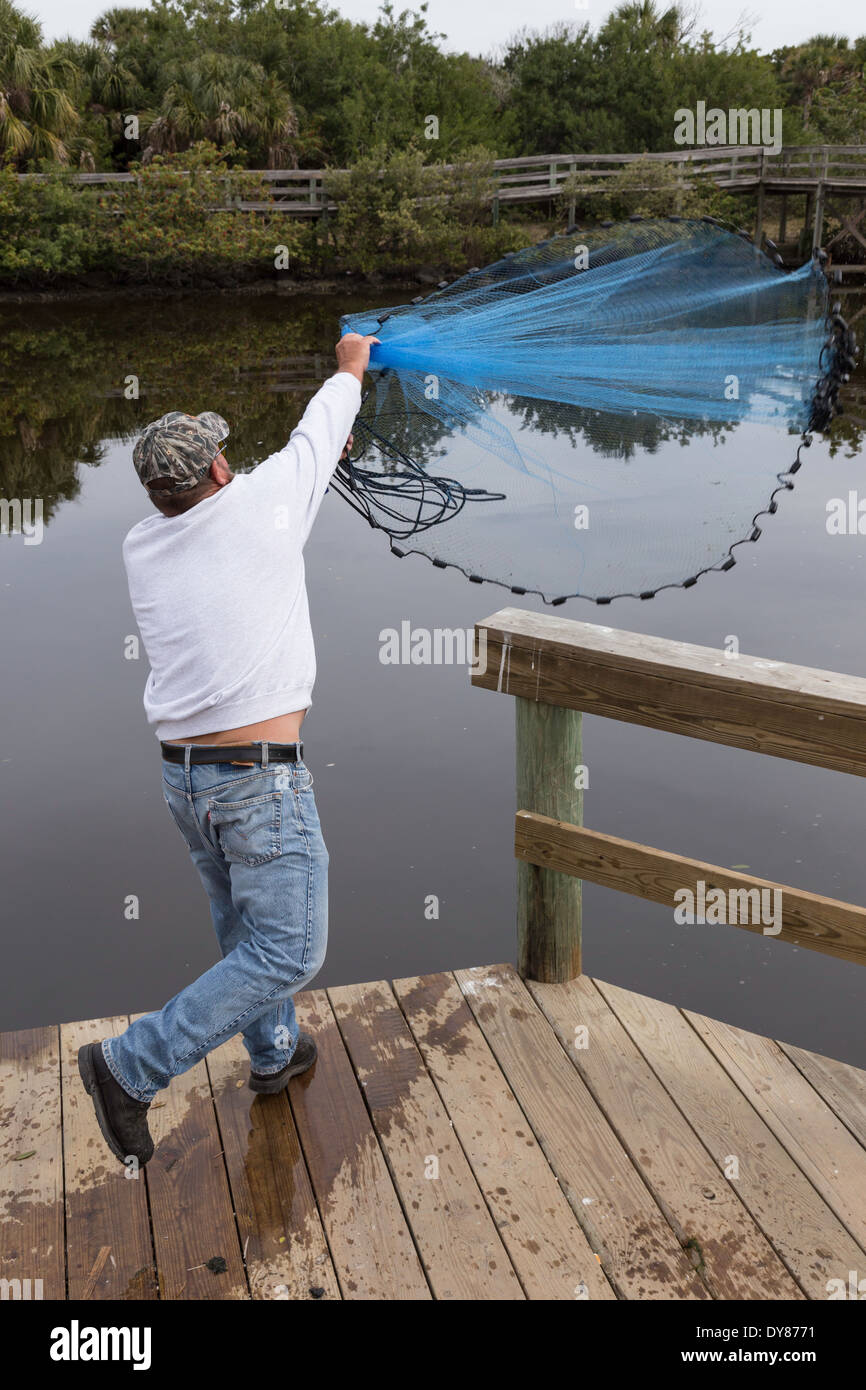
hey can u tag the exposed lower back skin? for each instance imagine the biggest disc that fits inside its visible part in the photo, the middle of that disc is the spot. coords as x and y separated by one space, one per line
283 728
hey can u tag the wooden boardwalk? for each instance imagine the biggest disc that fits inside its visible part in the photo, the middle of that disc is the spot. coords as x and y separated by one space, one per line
811 173
462 1136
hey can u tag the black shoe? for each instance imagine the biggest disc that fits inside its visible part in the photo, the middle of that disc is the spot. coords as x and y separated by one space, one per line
303 1057
123 1121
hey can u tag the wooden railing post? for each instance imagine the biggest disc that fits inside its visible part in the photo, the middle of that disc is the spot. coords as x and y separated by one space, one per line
549 782
819 206
759 202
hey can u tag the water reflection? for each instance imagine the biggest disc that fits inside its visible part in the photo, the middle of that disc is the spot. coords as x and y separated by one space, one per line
74 377
560 499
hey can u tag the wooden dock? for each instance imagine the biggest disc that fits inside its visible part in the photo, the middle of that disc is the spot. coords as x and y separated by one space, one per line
496 1133
461 1136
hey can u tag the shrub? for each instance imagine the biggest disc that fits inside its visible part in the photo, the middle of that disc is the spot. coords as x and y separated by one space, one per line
396 212
164 221
647 188
46 228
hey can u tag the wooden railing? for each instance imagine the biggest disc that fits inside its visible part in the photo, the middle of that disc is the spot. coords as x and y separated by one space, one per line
298 191
812 174
557 669
794 168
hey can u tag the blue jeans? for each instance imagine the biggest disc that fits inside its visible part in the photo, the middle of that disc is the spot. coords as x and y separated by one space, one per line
255 838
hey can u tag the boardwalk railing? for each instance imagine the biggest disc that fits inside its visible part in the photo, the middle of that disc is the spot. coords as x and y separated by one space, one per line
533 178
538 175
816 173
557 669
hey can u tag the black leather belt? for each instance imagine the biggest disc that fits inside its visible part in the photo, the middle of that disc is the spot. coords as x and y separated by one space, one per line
232 752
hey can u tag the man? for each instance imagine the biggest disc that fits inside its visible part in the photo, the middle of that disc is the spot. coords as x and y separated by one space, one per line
216 580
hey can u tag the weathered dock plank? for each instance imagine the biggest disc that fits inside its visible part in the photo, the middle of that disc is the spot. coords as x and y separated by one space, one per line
843 1087
109 1249
809 1238
639 1251
458 1242
282 1240
547 1246
194 1232
370 1241
829 1155
711 1222
31 1165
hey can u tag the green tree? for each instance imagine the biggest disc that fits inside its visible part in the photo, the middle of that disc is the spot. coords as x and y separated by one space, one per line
618 91
808 67
226 100
395 210
46 228
38 119
106 90
300 85
551 103
365 85
823 81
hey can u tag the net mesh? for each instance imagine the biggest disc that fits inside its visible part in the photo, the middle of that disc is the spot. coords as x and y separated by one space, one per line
605 413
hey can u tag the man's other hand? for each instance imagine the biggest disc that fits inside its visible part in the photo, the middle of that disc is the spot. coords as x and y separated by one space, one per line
353 353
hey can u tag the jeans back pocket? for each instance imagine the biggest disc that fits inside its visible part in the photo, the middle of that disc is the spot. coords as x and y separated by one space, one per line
248 832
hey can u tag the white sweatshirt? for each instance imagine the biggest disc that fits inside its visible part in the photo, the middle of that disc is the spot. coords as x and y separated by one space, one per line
219 592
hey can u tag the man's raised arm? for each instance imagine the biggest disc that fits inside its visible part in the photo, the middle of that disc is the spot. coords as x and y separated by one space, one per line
305 466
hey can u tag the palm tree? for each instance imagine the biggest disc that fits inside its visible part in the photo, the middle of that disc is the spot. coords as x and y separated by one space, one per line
113 84
644 27
277 124
38 119
107 88
811 66
115 26
226 100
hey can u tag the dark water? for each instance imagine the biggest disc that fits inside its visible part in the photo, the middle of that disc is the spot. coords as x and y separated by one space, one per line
414 769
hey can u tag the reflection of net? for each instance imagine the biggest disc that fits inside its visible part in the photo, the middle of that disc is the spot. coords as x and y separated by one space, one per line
570 376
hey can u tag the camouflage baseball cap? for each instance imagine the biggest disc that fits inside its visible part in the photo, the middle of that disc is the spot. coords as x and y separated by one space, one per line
179 447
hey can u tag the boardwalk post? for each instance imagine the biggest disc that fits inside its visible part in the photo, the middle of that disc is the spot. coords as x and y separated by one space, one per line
819 218
759 202
549 782
819 205
807 213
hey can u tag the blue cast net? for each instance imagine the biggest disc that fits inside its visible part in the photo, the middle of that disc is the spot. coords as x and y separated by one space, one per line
606 413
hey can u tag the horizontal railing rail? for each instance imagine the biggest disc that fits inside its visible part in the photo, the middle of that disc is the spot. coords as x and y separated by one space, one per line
558 669
543 176
811 174
771 707
819 923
